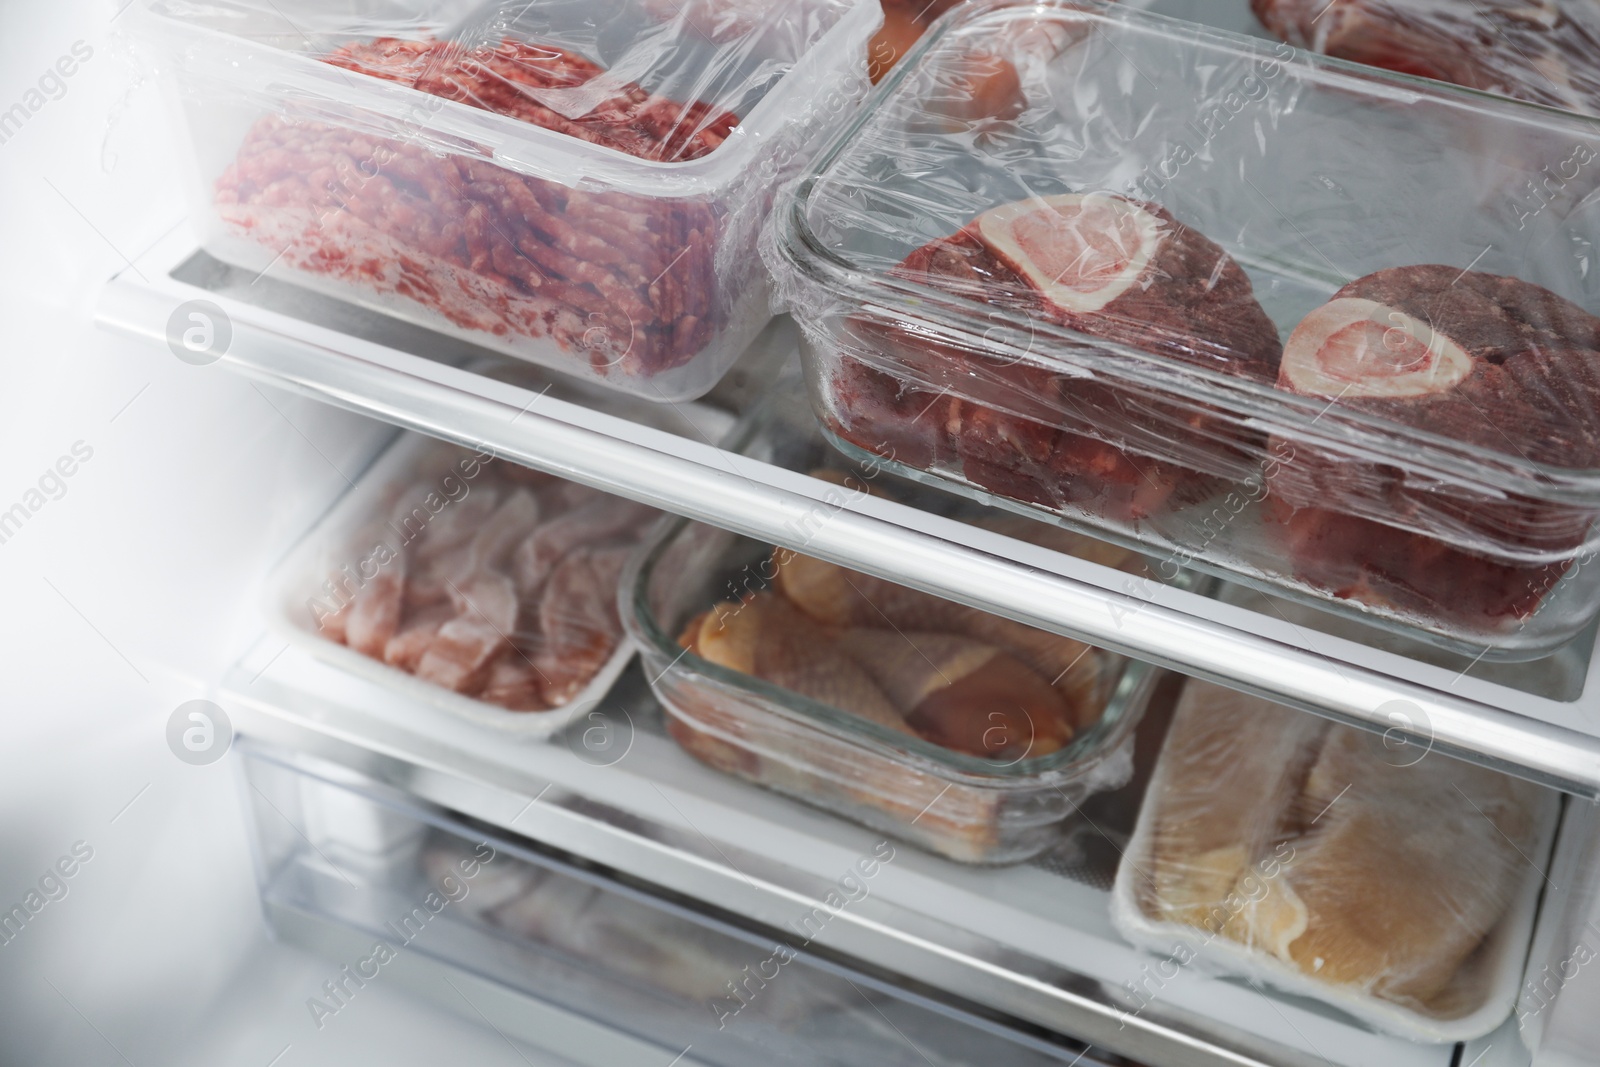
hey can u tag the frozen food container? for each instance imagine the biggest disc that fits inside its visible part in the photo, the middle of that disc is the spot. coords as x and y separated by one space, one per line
579 183
957 730
1297 321
466 582
549 940
1383 878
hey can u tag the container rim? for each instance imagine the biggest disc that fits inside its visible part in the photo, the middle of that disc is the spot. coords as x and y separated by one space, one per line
1080 756
1309 420
516 144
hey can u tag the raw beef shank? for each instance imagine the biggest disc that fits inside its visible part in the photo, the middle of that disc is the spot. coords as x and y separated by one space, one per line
1493 363
1121 270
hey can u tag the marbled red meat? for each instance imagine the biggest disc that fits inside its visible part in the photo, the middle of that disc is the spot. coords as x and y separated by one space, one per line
1112 268
1545 51
1486 361
625 282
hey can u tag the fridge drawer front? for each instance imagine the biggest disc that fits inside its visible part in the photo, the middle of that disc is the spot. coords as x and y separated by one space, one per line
569 957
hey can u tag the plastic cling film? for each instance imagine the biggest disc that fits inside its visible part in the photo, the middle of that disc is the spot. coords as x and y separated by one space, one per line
1325 860
486 579
1544 51
1214 297
580 187
904 22
549 86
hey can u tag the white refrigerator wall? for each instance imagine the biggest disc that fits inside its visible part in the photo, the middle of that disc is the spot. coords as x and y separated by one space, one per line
124 583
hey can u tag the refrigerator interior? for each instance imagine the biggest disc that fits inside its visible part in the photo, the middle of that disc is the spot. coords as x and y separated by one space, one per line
135 587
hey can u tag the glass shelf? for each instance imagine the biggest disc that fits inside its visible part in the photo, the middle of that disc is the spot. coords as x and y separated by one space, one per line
1537 720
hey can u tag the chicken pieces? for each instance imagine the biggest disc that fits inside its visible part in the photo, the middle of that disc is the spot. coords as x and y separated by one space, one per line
836 596
1314 845
907 661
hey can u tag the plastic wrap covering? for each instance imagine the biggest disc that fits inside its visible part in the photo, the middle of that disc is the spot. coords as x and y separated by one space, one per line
960 731
468 582
1374 874
1294 322
580 185
1546 51
904 22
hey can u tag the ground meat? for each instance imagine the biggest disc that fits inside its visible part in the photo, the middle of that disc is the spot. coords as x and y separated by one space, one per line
628 283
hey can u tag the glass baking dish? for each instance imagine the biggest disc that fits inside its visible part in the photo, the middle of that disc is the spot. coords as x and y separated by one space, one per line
574 183
1004 805
1421 451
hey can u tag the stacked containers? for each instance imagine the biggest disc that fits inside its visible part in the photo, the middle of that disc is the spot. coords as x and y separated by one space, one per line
1081 258
573 183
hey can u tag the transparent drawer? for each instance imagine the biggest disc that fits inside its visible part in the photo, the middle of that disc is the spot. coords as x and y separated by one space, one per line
420 883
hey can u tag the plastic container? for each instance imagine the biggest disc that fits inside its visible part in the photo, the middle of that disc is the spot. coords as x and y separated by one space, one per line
361 838
575 183
1545 54
988 809
1235 186
555 660
1389 881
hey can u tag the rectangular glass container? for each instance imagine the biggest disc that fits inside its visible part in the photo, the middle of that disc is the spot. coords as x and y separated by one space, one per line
1275 179
975 809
